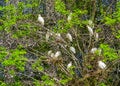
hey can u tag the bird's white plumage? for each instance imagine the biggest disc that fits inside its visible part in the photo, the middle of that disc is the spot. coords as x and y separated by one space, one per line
58 53
69 65
93 50
40 19
49 52
52 55
72 49
69 17
98 50
68 35
101 65
90 30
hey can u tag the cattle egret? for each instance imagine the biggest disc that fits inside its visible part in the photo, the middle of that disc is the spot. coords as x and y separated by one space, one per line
40 19
49 52
72 49
58 53
98 50
69 36
69 17
52 55
93 50
69 65
90 30
101 64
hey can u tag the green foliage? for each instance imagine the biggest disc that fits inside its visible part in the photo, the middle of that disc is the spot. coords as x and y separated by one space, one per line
64 26
3 53
118 34
65 79
15 58
2 83
110 21
60 4
37 65
117 12
109 53
36 83
18 24
114 18
47 81
13 18
17 83
12 58
102 84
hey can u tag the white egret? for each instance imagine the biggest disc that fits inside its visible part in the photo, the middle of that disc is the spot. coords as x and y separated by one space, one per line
69 17
98 50
68 35
101 64
90 30
69 65
52 55
40 19
58 53
72 49
49 52
93 50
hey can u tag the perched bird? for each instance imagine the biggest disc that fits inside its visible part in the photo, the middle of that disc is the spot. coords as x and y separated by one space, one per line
68 35
40 19
69 65
90 30
52 55
49 52
101 65
93 50
72 49
58 53
69 17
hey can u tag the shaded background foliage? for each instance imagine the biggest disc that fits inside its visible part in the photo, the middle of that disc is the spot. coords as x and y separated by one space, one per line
24 60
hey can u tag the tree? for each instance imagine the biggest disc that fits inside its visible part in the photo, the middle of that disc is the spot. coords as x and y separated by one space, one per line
76 37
